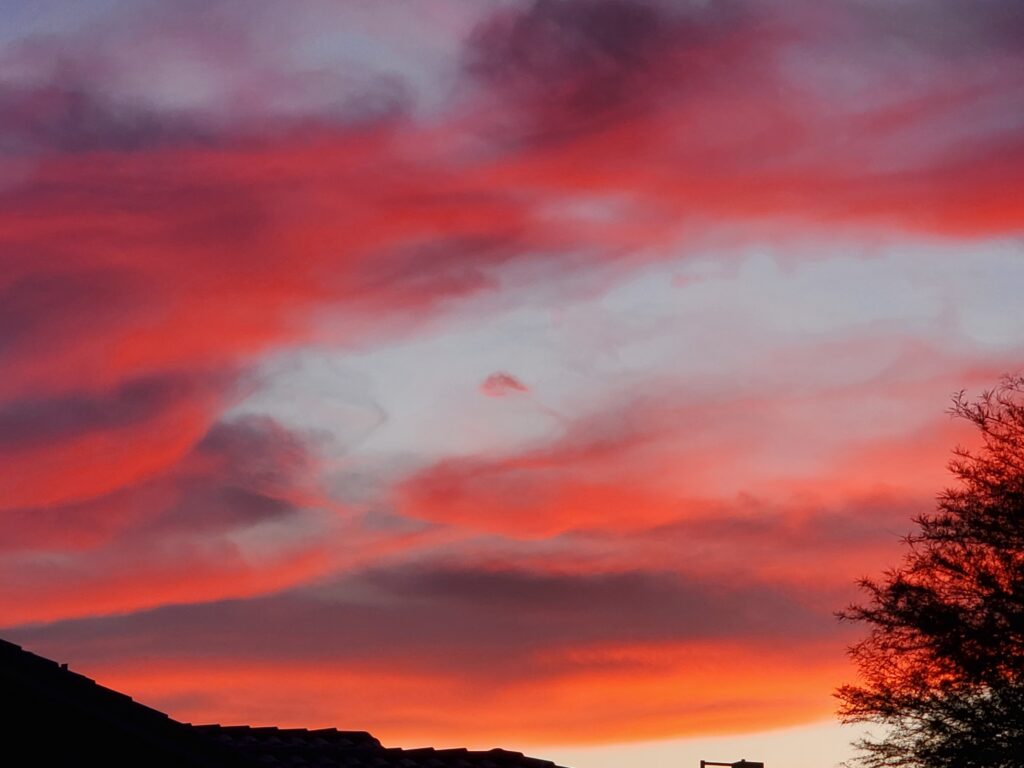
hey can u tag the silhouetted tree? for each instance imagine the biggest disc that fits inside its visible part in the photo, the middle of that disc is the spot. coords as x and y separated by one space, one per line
942 667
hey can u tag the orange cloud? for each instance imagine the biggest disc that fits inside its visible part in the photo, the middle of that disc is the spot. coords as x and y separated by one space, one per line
614 694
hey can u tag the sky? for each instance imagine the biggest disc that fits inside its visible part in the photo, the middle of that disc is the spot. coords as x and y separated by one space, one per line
534 374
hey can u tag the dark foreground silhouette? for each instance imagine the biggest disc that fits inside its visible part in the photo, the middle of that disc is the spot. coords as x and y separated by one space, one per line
55 717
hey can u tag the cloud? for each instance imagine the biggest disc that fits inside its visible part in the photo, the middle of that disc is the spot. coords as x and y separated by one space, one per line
240 512
569 68
502 384
732 111
66 447
991 28
146 77
70 116
166 496
817 546
581 479
667 451
495 618
47 308
32 421
491 636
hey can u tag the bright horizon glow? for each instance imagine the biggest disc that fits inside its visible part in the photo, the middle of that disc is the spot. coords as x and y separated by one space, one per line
820 747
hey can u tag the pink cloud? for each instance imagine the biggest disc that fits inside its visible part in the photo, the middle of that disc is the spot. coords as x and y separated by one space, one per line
502 384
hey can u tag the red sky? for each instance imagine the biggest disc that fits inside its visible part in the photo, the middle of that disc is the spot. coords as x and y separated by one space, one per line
533 373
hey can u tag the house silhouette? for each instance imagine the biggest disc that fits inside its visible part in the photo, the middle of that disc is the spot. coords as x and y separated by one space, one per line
55 717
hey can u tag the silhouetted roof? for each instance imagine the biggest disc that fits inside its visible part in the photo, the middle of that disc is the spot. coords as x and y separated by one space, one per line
59 717
329 747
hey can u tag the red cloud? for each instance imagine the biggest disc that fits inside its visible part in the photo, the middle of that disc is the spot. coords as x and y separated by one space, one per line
180 532
63 448
600 695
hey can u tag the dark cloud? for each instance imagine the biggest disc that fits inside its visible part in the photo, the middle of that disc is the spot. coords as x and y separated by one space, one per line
490 622
40 308
751 523
256 451
576 66
30 422
944 27
608 606
206 507
242 473
69 115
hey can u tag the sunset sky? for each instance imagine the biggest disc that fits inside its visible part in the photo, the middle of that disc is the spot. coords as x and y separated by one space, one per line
526 374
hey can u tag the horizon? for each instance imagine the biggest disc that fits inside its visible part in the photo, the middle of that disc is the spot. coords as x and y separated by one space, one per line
530 374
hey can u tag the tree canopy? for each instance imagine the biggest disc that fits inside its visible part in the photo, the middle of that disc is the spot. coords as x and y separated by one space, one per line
941 668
